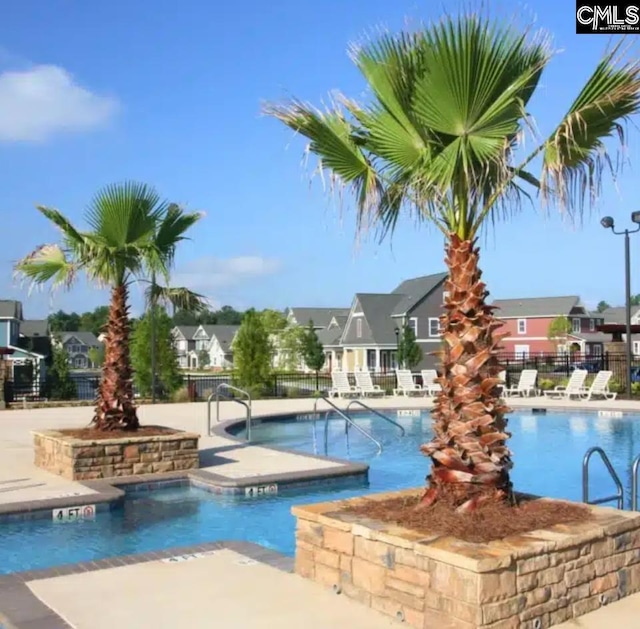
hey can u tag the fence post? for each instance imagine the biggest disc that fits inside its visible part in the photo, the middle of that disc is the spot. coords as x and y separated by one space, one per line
507 377
317 381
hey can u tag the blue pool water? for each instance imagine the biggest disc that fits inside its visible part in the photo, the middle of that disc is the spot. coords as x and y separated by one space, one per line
548 451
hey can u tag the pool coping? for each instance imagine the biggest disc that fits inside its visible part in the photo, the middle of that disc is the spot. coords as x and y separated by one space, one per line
20 608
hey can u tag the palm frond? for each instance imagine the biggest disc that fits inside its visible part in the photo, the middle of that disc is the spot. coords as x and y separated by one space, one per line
180 298
47 263
575 156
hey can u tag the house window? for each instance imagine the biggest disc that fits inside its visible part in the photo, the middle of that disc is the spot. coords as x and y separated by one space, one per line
200 345
522 326
636 347
434 326
575 323
74 349
521 351
359 328
596 349
592 325
413 324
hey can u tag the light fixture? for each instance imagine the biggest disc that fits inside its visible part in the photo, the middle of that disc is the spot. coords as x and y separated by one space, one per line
635 216
607 221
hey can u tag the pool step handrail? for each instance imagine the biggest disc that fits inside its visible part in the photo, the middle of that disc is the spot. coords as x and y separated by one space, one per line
378 413
634 483
218 394
619 496
346 418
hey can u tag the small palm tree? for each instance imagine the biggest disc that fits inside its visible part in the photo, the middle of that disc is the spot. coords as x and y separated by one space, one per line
441 137
133 237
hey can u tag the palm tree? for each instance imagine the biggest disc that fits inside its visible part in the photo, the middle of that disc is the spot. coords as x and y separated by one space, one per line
441 137
133 237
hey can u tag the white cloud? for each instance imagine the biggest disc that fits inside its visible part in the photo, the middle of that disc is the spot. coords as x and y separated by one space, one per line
209 274
44 100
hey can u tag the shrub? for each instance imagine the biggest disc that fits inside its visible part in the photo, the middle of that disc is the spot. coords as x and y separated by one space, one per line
545 384
635 388
615 386
181 395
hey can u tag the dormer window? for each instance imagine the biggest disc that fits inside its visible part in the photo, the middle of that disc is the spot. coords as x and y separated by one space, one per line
592 325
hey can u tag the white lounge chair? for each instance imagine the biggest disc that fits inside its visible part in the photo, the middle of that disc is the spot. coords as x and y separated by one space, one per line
341 387
575 386
429 384
526 385
600 386
365 384
406 385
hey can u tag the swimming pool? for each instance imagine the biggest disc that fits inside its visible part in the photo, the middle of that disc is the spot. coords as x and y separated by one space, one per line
548 451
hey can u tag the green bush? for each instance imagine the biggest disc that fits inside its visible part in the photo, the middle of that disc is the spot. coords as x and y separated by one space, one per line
615 386
635 388
545 384
181 395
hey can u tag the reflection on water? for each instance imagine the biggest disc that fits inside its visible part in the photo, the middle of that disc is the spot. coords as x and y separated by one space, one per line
529 423
578 425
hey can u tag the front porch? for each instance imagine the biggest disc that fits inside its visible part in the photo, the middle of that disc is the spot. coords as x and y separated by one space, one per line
377 359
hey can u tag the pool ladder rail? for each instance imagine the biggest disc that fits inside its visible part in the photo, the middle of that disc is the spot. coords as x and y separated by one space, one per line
218 393
349 421
619 495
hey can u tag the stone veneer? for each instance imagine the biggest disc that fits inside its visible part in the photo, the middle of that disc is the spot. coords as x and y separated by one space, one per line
533 580
83 459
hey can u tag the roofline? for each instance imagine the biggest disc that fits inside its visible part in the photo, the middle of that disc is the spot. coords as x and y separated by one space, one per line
26 351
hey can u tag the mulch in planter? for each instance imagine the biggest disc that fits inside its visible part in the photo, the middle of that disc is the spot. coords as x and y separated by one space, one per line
492 521
92 434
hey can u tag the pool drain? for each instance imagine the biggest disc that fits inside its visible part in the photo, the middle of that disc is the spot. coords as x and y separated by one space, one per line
337 589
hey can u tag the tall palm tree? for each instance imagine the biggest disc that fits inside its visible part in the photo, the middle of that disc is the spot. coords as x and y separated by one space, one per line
441 137
133 237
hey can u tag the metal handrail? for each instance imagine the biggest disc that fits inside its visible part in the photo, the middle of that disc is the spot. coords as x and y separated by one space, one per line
619 497
378 413
217 394
634 483
348 421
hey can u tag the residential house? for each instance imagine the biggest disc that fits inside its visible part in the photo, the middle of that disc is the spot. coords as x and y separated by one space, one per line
527 321
328 324
371 333
77 345
618 314
216 341
184 343
29 342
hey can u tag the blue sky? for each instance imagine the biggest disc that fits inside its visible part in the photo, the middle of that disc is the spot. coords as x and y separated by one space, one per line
170 93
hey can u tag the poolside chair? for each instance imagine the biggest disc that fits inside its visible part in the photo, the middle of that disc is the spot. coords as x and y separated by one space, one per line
575 386
406 385
365 384
600 387
526 385
429 384
341 387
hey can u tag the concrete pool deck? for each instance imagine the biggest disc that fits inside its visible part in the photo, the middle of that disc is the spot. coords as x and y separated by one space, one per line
225 458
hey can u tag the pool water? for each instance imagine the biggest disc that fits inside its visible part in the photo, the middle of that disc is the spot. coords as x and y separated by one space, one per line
548 451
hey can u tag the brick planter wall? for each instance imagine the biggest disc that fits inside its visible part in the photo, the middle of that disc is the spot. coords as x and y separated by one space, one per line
536 579
79 459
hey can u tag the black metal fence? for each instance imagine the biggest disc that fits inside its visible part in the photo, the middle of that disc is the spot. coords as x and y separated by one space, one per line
551 368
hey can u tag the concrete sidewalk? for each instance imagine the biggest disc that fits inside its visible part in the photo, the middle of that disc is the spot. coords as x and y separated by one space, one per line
224 589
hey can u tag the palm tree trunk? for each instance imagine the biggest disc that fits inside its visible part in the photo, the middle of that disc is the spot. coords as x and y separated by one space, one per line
115 409
470 459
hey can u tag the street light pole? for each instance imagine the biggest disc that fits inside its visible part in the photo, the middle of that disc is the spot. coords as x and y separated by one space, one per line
608 223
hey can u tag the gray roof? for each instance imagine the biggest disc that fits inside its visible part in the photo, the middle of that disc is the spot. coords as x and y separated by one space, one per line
377 309
341 320
414 291
10 309
593 337
329 336
86 338
617 314
34 327
535 306
320 316
224 333
187 330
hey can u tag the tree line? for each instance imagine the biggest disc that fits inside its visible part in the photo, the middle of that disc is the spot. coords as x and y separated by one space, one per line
95 320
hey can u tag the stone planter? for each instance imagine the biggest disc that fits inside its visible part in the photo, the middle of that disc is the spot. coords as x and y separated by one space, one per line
533 580
83 459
